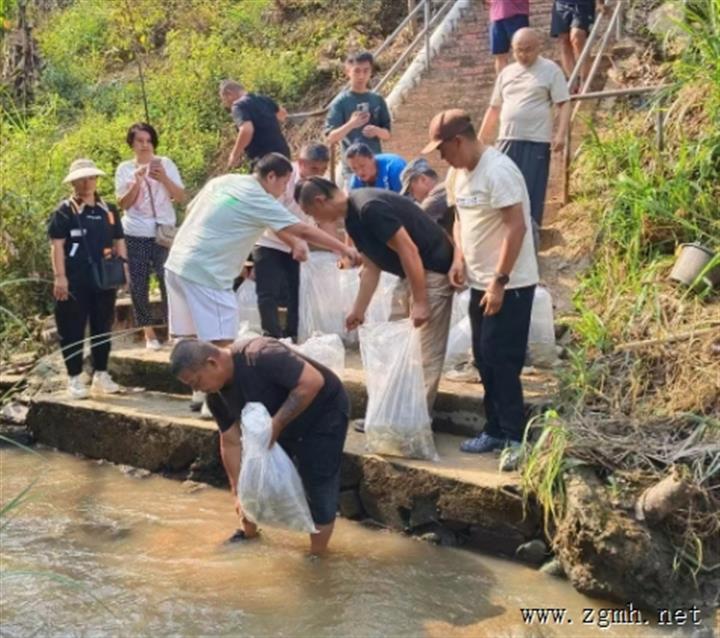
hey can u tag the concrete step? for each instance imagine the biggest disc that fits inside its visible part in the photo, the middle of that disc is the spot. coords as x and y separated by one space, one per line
125 319
458 407
463 495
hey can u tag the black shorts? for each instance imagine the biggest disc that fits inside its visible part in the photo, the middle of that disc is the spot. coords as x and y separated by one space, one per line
569 14
318 457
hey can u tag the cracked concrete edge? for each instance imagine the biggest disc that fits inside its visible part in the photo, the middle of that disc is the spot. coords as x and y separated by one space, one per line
409 499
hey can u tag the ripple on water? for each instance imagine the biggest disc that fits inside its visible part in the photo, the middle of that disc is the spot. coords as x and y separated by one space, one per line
147 557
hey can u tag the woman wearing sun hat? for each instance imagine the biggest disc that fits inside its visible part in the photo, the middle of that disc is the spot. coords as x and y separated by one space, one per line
83 231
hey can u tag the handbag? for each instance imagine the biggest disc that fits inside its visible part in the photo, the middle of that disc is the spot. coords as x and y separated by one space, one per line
164 233
109 272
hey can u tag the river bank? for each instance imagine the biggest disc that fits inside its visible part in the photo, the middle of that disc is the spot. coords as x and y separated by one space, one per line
112 551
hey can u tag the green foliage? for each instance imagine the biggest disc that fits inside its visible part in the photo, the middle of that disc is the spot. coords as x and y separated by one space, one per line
650 201
90 93
644 202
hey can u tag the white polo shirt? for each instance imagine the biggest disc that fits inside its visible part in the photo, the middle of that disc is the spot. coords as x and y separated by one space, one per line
478 195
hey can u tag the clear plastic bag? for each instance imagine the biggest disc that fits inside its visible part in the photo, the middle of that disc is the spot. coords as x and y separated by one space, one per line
327 350
246 296
380 307
397 421
542 352
460 306
322 297
270 490
459 343
244 331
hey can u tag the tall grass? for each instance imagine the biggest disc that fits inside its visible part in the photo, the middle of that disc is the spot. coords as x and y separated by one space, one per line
643 202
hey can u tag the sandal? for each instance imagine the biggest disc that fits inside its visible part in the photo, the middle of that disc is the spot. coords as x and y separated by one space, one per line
240 535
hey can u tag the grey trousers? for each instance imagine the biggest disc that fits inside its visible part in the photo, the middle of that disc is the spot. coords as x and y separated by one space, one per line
434 334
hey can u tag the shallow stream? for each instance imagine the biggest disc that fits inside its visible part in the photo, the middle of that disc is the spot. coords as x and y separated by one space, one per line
96 551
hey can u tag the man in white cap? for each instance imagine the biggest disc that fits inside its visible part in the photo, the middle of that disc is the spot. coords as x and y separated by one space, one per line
421 183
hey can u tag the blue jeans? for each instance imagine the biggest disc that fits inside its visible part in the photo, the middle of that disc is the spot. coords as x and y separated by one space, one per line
502 32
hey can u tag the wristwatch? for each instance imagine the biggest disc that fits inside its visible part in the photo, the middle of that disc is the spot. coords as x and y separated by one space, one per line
501 278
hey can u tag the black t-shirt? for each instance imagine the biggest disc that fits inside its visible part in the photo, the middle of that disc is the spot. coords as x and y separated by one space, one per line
375 215
101 226
262 112
265 371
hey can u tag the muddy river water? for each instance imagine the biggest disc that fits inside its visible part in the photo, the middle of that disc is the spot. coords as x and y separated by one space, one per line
97 552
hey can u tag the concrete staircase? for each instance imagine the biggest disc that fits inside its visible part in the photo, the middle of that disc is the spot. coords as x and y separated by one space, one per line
461 76
461 498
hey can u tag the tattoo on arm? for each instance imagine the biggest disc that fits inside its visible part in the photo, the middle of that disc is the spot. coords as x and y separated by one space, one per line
296 402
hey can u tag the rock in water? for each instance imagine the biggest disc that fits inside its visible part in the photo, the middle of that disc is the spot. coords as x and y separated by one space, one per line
532 552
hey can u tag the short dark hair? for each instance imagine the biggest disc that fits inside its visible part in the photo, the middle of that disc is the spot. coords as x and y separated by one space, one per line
307 190
469 133
315 153
142 126
358 57
359 149
273 163
190 354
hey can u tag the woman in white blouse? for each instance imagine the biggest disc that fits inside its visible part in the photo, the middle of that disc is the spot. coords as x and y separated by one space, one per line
146 188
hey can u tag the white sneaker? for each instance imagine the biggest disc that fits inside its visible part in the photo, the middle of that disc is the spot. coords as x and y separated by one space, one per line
102 383
205 413
197 401
153 344
77 388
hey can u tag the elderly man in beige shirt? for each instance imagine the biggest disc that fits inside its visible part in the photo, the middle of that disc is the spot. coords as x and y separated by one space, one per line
522 104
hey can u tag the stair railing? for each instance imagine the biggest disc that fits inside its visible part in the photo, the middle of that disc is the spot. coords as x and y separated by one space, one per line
614 26
432 14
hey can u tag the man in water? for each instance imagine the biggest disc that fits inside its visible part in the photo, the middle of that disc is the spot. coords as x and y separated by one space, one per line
309 408
222 224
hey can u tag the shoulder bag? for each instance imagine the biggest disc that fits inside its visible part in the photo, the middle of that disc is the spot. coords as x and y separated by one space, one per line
109 273
164 233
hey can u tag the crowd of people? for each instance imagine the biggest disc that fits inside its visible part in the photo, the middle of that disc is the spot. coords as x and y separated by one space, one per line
473 229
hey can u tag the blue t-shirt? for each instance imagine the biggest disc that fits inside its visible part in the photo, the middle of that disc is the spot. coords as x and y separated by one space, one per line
389 168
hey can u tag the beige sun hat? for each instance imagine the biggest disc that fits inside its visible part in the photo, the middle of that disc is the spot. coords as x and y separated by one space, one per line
82 168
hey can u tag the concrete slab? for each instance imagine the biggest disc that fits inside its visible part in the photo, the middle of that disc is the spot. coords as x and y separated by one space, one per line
465 496
458 407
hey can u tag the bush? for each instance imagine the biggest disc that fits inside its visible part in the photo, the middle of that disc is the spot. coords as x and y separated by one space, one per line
90 93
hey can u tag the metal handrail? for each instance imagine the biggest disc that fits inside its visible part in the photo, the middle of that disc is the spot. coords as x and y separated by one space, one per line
614 22
425 33
426 5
